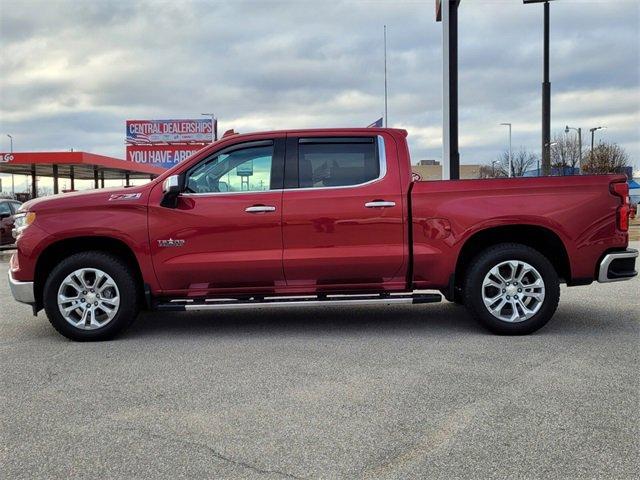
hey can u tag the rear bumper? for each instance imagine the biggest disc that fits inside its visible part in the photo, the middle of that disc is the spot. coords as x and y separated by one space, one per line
618 266
22 291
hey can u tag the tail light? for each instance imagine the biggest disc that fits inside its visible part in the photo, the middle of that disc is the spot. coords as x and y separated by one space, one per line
621 189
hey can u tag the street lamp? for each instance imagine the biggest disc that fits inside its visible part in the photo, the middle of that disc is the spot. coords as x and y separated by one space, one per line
579 130
13 183
546 92
593 134
214 123
510 151
493 167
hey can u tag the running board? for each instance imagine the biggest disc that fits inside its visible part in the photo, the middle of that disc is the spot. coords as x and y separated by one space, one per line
307 301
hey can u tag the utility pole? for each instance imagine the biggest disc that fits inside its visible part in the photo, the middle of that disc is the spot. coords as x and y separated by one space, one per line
510 150
579 130
546 93
546 99
386 113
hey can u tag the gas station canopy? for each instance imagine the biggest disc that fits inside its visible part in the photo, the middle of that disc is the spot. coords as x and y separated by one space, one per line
74 165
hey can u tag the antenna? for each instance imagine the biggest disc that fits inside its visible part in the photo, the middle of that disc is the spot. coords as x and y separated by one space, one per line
386 113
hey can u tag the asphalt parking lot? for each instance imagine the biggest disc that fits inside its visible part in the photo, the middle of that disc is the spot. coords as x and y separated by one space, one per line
357 392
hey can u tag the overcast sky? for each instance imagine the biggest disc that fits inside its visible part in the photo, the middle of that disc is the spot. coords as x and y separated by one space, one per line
73 72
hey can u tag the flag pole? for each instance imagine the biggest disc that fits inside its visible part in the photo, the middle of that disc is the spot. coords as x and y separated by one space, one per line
386 121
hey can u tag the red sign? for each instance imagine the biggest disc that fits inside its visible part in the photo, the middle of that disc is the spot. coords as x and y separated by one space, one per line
165 156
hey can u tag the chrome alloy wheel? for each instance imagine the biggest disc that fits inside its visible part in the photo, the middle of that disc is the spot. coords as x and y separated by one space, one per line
88 298
513 291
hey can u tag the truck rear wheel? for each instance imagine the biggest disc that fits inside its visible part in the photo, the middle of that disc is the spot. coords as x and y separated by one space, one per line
512 289
91 296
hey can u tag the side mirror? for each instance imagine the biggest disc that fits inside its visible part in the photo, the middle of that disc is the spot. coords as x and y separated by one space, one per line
171 184
4 215
171 187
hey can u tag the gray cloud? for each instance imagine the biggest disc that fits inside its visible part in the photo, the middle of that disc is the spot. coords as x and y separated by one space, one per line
73 72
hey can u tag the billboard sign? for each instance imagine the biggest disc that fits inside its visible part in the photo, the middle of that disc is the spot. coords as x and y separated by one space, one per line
147 132
164 156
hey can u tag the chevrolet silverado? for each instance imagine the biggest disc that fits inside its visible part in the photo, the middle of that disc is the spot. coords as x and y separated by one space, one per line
317 217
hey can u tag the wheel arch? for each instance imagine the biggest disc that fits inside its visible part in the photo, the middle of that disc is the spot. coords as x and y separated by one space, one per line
64 248
542 239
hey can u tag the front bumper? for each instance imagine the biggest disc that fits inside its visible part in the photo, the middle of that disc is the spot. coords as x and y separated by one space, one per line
618 266
22 291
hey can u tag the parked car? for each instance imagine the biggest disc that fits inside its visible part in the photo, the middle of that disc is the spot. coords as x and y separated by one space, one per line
317 217
8 208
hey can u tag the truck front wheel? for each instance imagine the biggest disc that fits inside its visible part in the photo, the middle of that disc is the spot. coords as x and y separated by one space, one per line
91 296
512 289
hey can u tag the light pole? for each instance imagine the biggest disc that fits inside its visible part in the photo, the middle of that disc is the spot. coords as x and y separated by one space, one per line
579 130
214 123
510 151
593 134
447 13
546 93
13 184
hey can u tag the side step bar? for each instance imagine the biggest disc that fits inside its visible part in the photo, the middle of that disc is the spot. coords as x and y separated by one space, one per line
262 302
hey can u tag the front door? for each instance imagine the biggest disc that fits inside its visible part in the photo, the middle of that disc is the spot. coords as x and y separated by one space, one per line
225 234
343 223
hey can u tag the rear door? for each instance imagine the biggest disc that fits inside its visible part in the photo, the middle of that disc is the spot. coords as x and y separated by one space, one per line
343 214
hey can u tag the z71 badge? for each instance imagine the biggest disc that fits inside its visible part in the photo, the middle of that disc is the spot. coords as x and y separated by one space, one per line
124 196
170 243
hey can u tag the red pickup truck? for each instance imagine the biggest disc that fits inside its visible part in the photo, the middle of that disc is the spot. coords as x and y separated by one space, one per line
317 217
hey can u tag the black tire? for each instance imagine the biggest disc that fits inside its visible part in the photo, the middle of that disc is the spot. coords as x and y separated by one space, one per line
493 256
121 275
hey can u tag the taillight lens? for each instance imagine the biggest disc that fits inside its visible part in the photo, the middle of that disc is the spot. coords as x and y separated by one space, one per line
621 189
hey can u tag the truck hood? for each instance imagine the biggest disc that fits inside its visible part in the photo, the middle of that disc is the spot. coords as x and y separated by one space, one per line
88 199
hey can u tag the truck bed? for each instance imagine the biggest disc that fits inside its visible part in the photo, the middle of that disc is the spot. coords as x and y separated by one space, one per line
579 212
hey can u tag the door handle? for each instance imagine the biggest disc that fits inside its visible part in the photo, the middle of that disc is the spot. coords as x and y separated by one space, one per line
260 209
380 204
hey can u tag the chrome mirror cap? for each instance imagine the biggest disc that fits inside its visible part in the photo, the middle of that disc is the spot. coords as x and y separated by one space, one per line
171 184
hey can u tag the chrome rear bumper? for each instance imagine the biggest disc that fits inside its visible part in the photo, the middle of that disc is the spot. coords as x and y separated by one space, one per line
618 266
22 291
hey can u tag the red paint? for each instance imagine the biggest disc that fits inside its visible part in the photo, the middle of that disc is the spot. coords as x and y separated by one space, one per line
325 240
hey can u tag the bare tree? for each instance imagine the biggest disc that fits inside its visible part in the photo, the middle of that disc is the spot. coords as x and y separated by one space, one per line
521 161
485 171
605 158
565 152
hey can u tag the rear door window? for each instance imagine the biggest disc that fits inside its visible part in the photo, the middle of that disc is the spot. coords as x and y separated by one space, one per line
337 162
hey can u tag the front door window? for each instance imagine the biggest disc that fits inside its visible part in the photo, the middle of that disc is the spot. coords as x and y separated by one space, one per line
244 170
